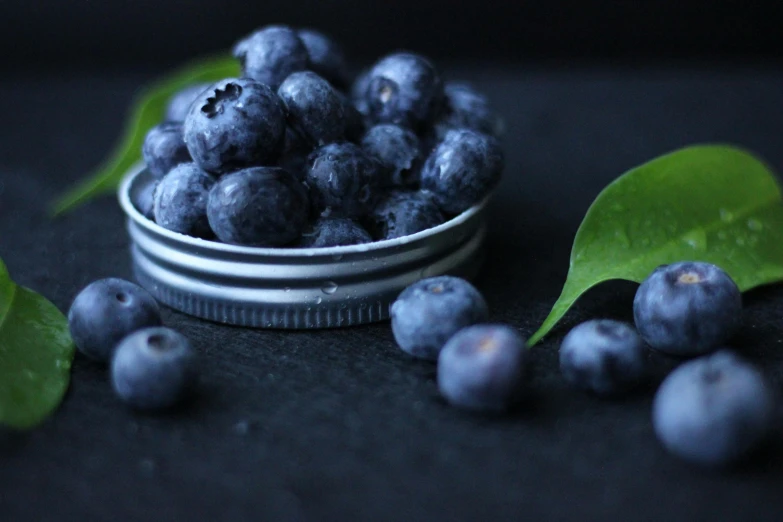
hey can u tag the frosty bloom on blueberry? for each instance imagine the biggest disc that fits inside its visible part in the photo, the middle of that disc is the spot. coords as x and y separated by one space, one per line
180 201
687 308
314 108
164 148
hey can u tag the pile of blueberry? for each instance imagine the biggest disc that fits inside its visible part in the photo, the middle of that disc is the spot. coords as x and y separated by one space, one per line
712 410
295 154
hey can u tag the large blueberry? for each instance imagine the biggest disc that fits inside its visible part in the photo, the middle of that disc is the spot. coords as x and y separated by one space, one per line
235 123
153 369
402 213
404 89
315 109
603 356
181 201
398 149
179 104
335 231
687 308
260 206
467 108
427 313
344 180
107 310
271 54
326 57
482 368
164 148
462 169
713 410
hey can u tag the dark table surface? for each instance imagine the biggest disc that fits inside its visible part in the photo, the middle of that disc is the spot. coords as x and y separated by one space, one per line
340 425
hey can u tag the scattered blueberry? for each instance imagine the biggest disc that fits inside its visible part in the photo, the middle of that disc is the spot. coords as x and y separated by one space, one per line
713 410
427 313
315 109
106 311
260 206
164 148
335 231
234 124
687 308
271 54
180 103
603 356
462 169
326 57
467 108
404 89
482 368
143 198
181 201
403 213
398 149
153 369
344 181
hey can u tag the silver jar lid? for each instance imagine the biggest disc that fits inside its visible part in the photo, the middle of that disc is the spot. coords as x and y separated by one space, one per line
295 288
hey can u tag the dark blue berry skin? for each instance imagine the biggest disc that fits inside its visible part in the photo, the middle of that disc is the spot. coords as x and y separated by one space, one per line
687 308
404 89
260 206
105 312
335 231
467 108
398 149
315 109
354 120
296 149
164 148
179 104
326 57
463 169
403 213
344 181
427 313
181 201
271 54
154 369
603 356
144 198
482 368
234 124
713 410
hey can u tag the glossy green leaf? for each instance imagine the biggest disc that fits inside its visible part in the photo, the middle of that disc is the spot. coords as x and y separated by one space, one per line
710 203
35 355
146 112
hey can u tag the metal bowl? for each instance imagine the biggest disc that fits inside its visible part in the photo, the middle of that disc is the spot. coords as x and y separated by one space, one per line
295 288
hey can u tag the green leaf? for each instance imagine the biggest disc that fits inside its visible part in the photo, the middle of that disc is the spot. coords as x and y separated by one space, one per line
147 111
35 355
710 203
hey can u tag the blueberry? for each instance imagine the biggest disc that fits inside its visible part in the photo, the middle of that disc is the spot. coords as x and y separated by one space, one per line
106 311
358 93
482 368
143 198
296 149
467 108
260 206
404 89
427 313
354 120
164 148
234 124
603 356
713 410
687 308
462 169
344 181
153 369
403 213
326 57
335 231
179 104
315 109
271 54
398 149
180 203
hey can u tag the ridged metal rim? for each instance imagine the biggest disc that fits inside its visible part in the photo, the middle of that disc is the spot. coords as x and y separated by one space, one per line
294 288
